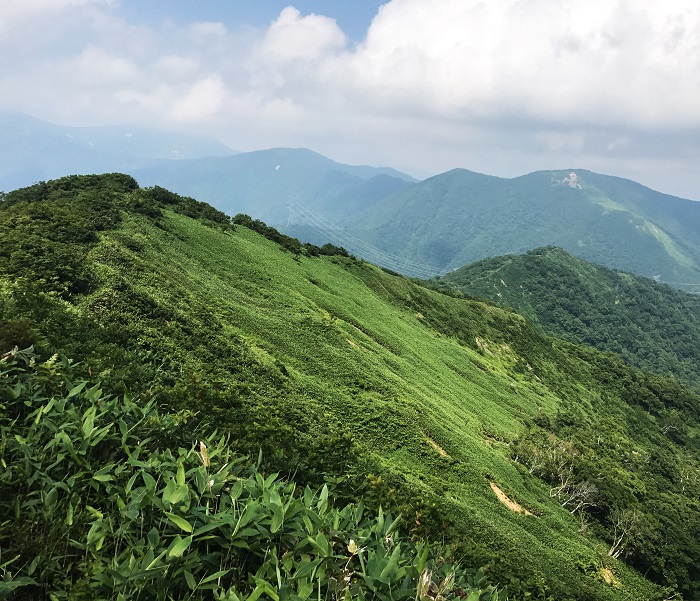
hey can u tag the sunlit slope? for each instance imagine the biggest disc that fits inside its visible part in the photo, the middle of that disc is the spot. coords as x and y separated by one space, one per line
373 353
428 404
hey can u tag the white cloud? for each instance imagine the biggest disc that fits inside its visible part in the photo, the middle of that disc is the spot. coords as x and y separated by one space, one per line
204 98
149 101
503 86
98 67
602 61
20 10
177 65
293 37
206 31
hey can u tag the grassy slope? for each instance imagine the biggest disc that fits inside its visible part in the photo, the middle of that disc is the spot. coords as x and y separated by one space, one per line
393 381
652 326
229 324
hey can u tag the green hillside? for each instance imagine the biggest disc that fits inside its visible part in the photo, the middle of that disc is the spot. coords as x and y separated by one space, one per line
561 471
460 217
651 325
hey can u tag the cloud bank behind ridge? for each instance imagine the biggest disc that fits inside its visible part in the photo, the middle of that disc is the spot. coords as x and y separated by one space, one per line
502 87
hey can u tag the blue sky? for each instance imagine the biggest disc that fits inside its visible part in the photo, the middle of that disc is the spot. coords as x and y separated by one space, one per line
353 16
504 87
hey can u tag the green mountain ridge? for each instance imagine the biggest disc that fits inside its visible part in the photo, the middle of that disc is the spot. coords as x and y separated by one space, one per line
428 405
416 228
652 326
460 217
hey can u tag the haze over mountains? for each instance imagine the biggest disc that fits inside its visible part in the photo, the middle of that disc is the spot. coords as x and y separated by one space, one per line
32 150
262 183
418 228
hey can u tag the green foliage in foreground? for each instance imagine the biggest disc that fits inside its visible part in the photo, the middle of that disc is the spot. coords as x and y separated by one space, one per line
651 325
380 388
111 499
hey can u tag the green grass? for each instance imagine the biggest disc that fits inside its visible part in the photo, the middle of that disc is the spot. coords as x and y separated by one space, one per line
356 352
339 370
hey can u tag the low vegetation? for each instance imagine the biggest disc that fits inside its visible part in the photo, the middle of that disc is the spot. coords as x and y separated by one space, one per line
111 499
352 386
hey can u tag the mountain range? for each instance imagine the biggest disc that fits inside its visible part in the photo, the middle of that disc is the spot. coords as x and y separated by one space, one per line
459 217
417 228
264 183
32 150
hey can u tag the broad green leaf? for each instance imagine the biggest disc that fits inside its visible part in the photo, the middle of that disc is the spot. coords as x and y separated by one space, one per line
50 499
89 422
7 586
225 520
76 390
156 561
277 519
168 491
147 559
379 527
263 588
322 543
322 504
153 537
179 546
180 477
423 558
148 481
305 590
104 475
247 516
390 567
306 568
180 522
96 534
130 483
180 494
392 527
215 576
191 582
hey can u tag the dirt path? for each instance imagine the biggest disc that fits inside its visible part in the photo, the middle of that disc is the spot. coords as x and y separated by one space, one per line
503 498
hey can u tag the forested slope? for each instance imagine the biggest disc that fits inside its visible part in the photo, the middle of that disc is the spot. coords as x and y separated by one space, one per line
336 372
459 217
650 325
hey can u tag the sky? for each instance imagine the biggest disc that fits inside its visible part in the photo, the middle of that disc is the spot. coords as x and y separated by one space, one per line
503 87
